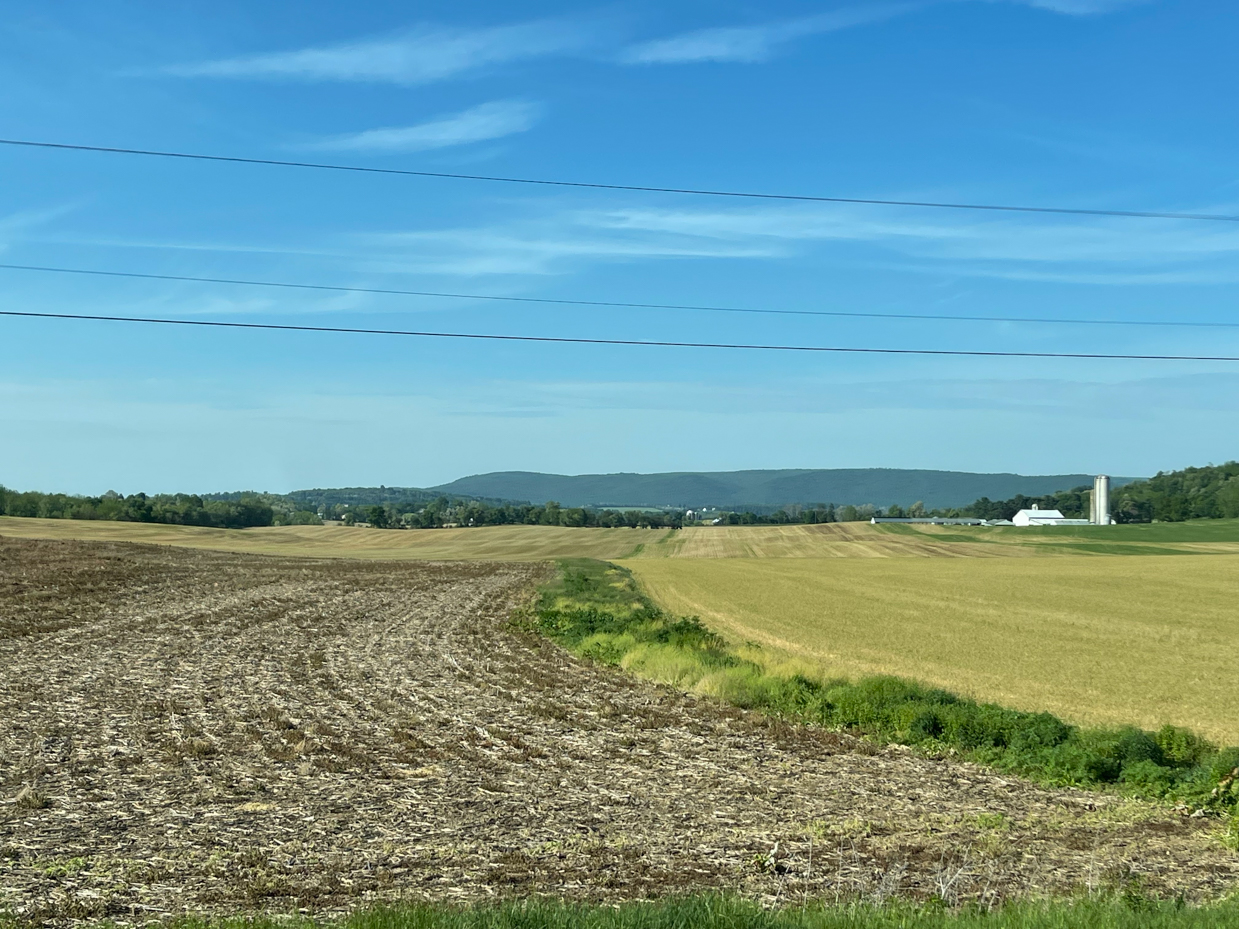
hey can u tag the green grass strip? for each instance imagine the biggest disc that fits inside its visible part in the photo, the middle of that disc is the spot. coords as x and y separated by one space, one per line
709 912
598 611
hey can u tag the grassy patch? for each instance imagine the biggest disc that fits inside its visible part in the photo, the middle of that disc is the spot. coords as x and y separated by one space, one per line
1195 530
598 611
1119 912
1230 838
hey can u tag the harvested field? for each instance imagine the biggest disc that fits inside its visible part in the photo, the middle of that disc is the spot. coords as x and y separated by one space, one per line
187 730
829 540
863 540
533 543
1146 640
486 543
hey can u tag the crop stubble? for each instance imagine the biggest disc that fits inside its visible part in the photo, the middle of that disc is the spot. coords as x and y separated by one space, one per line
186 730
1097 640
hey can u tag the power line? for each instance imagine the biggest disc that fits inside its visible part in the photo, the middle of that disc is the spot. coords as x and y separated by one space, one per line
649 343
333 288
544 182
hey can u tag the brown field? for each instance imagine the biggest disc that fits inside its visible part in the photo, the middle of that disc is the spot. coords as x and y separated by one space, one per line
1145 640
488 543
190 730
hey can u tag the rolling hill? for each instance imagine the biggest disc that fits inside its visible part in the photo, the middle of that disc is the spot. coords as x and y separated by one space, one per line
735 489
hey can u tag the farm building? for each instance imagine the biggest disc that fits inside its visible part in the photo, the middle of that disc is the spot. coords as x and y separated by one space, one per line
1037 517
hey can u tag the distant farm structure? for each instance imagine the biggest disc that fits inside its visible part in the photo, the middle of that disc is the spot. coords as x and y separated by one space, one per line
1099 514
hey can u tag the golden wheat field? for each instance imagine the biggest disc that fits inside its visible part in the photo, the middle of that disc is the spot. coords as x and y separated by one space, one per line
1144 640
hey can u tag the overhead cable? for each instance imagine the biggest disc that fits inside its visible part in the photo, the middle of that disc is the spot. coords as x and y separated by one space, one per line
592 185
854 314
648 343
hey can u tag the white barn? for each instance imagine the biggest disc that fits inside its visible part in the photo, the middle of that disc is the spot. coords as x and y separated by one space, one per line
1036 517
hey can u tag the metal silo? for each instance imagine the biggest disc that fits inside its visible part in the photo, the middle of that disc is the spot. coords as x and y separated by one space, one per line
1100 514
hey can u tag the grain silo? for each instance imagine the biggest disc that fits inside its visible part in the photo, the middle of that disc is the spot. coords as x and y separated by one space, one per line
1100 509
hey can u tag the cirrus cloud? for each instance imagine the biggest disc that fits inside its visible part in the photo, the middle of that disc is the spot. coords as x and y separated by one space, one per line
755 43
422 55
478 124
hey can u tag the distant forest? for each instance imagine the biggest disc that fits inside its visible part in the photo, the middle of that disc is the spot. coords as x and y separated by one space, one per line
1194 493
246 510
176 509
443 511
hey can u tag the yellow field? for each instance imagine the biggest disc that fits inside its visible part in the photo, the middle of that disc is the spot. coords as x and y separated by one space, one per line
1144 640
862 540
488 543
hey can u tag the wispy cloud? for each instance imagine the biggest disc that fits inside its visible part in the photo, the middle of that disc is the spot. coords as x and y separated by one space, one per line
750 44
550 240
14 226
555 245
1081 7
421 55
755 43
487 121
1098 252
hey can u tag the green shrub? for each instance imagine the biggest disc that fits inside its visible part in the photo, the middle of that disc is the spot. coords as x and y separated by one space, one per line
1226 764
1148 778
1184 748
1036 731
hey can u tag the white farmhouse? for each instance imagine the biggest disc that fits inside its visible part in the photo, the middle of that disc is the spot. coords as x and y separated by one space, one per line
1036 517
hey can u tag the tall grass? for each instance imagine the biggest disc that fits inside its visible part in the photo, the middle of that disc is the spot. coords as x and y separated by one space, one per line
598 611
705 912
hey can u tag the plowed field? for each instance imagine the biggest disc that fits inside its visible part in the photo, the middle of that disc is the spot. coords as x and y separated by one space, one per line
185 730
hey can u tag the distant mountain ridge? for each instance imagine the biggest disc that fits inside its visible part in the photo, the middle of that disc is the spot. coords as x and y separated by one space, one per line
764 488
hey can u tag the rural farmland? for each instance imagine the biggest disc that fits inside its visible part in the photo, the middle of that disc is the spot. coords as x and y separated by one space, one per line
620 465
225 733
1091 627
533 543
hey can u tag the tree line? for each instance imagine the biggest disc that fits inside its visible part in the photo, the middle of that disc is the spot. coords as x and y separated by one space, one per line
174 509
1211 492
444 512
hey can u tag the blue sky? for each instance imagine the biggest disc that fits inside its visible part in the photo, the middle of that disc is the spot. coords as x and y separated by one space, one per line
1079 103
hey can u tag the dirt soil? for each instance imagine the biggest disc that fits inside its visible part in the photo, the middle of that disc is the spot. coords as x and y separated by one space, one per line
195 731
